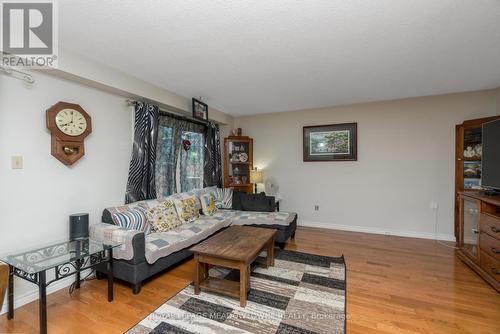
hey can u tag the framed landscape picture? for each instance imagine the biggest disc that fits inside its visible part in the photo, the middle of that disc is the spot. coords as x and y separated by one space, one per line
200 110
334 142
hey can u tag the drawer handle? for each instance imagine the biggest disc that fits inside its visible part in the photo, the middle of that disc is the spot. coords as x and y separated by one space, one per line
494 229
495 271
494 250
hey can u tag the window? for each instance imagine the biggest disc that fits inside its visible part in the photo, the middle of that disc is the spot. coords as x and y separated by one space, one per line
178 169
190 171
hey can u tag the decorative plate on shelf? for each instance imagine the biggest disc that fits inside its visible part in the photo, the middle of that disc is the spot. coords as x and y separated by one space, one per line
243 157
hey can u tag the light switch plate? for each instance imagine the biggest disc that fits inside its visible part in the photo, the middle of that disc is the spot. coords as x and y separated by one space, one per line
16 162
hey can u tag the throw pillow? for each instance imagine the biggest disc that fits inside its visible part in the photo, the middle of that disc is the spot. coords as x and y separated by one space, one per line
206 190
188 194
223 198
131 218
163 217
208 204
187 209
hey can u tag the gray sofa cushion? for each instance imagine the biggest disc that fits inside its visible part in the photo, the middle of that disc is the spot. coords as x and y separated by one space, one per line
161 244
256 218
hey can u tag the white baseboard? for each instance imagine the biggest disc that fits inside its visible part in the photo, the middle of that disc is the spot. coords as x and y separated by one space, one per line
32 295
377 230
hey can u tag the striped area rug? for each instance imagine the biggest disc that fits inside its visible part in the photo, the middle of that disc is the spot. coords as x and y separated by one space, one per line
302 293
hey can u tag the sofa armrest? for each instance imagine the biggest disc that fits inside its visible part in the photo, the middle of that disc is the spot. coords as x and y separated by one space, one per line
133 242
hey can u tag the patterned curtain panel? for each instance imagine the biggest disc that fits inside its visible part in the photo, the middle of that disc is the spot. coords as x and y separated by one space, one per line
176 168
141 178
169 142
213 160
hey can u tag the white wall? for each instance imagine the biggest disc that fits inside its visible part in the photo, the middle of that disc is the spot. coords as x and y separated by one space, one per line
36 201
498 100
406 161
78 68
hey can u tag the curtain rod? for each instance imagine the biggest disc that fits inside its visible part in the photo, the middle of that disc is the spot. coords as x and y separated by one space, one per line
26 77
131 102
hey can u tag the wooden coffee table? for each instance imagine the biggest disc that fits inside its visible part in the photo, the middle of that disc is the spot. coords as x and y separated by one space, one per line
237 247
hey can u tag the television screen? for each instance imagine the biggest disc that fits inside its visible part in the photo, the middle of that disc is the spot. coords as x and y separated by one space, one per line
491 155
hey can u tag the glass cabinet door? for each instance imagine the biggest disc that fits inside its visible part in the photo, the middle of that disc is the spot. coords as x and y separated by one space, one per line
469 238
472 156
239 162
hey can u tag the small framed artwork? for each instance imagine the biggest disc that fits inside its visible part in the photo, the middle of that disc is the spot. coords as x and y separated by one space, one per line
333 142
200 110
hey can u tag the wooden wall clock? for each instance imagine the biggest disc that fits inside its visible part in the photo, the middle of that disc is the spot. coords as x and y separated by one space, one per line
68 124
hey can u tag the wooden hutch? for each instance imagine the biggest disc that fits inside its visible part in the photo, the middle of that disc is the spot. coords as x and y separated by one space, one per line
477 216
468 144
479 235
238 162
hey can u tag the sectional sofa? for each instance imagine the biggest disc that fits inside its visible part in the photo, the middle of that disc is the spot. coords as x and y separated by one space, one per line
145 252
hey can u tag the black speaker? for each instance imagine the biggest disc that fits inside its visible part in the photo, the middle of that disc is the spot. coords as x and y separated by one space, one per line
78 226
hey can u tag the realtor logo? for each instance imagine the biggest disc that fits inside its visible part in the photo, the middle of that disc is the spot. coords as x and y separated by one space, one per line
29 33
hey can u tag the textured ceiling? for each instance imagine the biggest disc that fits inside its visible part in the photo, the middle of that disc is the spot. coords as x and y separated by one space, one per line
248 57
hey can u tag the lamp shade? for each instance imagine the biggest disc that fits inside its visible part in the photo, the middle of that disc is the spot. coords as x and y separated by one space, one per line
256 176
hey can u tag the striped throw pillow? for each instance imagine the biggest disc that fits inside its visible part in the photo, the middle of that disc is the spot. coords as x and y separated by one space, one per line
224 198
131 219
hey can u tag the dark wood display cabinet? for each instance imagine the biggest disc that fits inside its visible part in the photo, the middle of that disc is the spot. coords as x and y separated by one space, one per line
479 235
468 160
238 162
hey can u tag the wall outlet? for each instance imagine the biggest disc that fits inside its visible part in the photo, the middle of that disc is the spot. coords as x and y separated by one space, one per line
316 207
434 205
16 162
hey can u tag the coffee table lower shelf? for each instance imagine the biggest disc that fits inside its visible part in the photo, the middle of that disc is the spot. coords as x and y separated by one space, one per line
221 285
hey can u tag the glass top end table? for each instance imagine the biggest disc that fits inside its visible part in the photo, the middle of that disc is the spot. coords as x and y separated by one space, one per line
65 258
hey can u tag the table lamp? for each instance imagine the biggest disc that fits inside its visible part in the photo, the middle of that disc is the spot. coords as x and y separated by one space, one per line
256 177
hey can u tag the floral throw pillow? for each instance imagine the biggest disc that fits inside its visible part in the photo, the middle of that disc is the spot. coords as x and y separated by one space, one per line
163 216
187 209
208 204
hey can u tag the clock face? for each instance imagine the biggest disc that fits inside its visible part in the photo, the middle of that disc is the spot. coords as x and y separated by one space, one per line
71 122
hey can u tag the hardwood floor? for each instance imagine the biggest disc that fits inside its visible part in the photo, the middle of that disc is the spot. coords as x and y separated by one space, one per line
395 285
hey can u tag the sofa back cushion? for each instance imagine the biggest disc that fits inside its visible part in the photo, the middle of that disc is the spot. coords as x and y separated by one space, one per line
253 202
